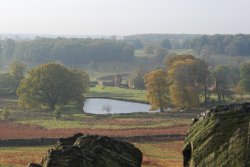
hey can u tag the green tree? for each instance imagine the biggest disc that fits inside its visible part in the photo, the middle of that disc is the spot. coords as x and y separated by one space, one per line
16 72
52 84
245 77
5 114
136 43
149 50
234 76
238 89
221 74
92 66
166 44
157 89
57 112
1 57
160 53
137 78
8 49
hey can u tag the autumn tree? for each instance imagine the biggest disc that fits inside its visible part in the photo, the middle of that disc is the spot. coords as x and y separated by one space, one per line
52 84
187 76
157 89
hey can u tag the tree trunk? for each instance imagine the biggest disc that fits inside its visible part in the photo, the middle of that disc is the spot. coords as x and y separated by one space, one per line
218 91
205 94
52 104
160 96
198 93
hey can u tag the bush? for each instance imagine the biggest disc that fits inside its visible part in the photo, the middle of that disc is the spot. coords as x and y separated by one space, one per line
57 112
5 114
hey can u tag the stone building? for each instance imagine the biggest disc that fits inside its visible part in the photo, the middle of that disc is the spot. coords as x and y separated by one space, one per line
117 80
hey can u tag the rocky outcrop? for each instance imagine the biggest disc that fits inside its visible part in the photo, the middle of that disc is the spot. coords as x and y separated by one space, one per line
92 151
219 137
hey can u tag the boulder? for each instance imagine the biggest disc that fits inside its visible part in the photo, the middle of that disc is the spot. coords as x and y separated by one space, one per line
219 137
34 165
92 151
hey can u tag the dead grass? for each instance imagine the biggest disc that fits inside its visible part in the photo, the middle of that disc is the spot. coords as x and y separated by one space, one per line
21 156
161 154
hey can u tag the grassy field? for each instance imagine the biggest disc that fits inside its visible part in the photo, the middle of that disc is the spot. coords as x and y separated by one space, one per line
161 154
43 124
118 93
155 154
40 124
35 124
21 156
105 123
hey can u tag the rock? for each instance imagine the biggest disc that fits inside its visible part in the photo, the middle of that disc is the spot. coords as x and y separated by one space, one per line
219 137
92 151
34 165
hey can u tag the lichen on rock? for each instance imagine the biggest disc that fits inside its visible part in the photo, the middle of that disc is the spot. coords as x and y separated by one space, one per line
219 137
92 151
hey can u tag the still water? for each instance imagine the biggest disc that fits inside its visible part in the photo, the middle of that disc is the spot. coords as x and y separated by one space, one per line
108 106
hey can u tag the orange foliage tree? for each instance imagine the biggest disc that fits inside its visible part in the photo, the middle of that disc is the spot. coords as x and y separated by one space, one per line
157 89
187 76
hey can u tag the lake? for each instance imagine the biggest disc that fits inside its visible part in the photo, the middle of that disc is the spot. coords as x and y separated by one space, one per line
108 106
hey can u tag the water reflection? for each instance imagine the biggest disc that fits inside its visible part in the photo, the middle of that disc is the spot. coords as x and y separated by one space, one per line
108 106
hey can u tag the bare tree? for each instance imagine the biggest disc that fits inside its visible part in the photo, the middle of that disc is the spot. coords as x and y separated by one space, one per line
107 108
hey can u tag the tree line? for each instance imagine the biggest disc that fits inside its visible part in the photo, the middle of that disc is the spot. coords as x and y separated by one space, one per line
68 51
233 45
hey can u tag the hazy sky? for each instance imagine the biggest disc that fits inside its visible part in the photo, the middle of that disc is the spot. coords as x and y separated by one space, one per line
124 17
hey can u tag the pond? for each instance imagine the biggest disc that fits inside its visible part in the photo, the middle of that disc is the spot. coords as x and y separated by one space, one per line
108 106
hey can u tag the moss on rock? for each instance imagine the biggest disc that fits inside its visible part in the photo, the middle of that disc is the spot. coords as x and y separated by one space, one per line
92 151
219 137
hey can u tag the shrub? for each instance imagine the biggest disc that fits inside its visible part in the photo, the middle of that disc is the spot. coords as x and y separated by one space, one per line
57 112
5 114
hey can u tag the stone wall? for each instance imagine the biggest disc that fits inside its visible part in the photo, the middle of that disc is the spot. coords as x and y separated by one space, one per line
52 141
28 142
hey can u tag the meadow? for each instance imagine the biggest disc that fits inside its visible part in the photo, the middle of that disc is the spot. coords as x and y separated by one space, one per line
36 124
117 93
157 152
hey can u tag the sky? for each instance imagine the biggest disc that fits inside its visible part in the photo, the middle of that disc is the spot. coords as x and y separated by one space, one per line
124 17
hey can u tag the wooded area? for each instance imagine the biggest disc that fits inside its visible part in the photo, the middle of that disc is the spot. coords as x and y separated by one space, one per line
234 45
68 51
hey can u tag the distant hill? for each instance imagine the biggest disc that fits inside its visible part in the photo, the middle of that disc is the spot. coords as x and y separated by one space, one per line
34 36
161 37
